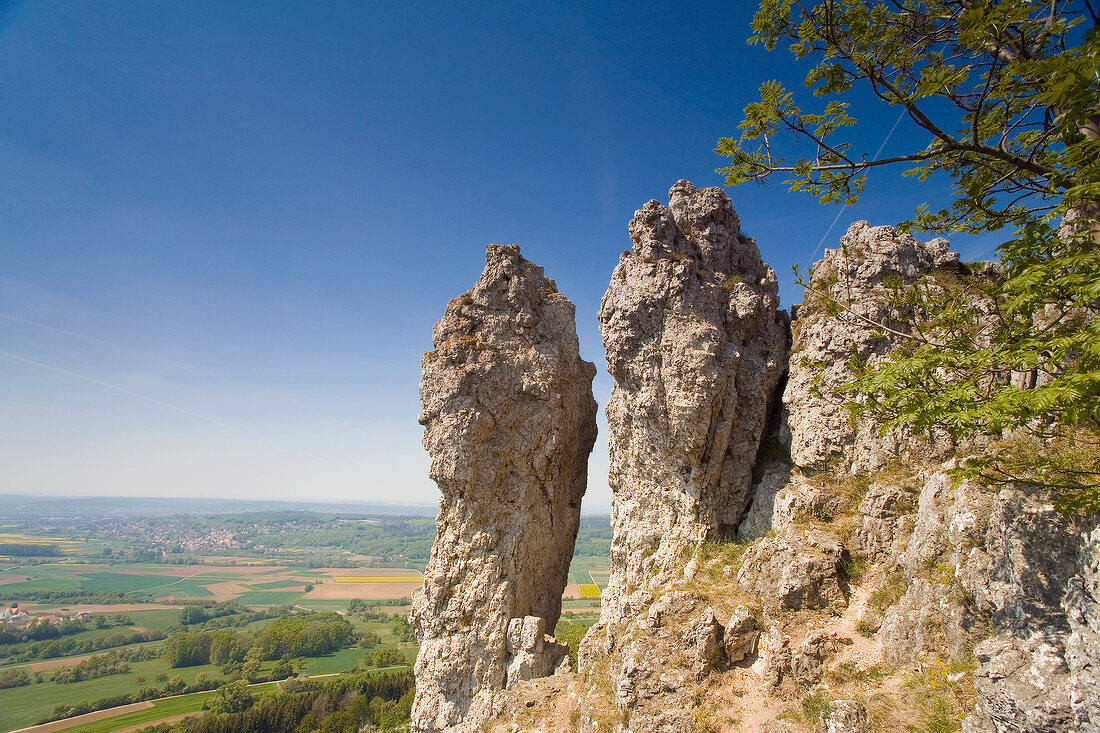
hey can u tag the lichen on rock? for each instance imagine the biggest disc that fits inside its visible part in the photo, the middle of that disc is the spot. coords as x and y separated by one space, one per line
509 421
860 275
696 345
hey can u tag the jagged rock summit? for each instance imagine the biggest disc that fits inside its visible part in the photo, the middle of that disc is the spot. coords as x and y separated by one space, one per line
696 344
869 587
870 263
509 420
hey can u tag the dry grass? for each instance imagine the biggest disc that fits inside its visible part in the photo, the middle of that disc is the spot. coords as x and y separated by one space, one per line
944 694
892 586
715 577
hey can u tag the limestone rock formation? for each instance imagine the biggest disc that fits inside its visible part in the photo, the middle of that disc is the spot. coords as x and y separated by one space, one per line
808 660
858 275
845 716
1035 575
856 576
774 661
656 666
696 345
509 422
799 569
740 635
884 521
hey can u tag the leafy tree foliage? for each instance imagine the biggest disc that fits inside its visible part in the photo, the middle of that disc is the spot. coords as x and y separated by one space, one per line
307 635
187 649
376 701
29 549
13 678
304 635
100 665
384 658
15 652
1008 94
234 697
571 632
401 629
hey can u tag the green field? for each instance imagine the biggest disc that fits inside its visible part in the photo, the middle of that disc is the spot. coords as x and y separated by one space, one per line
23 706
270 598
42 580
161 709
275 584
55 578
581 567
325 604
166 708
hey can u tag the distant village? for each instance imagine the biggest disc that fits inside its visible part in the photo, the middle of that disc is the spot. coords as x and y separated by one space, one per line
17 618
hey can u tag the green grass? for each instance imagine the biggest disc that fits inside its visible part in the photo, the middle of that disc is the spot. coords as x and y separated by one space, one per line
335 662
23 706
157 618
324 604
580 568
161 709
124 582
269 598
49 581
75 578
275 584
194 588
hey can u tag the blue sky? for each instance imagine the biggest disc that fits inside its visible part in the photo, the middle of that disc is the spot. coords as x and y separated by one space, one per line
227 228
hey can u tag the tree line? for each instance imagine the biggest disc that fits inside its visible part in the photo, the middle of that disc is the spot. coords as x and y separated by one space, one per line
372 701
69 646
29 549
305 635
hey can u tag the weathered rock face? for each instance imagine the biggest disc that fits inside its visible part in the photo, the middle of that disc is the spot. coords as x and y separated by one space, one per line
509 421
845 716
799 569
857 275
1035 575
657 666
696 345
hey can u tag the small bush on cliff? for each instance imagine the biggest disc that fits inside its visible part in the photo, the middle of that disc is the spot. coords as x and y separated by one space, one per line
1008 96
570 632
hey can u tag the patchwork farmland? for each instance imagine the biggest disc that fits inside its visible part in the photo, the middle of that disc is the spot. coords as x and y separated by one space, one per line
250 585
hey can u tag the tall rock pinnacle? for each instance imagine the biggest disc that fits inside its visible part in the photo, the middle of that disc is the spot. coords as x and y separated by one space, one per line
509 420
697 346
860 274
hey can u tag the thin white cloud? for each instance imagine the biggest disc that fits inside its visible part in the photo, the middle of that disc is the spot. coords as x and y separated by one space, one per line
114 387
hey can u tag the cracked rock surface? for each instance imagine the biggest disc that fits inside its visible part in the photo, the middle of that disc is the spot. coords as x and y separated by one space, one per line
509 421
696 345
858 274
